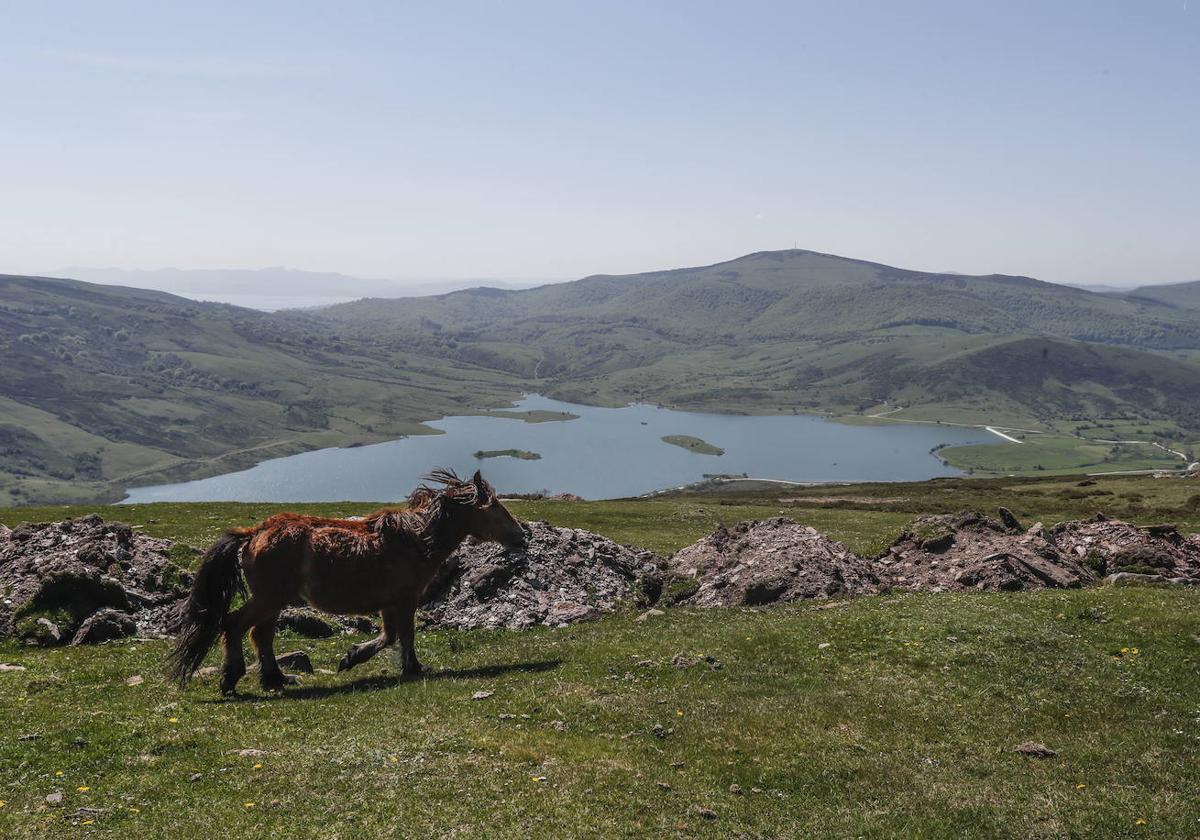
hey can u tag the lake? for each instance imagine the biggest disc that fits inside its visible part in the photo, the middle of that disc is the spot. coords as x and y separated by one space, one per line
606 453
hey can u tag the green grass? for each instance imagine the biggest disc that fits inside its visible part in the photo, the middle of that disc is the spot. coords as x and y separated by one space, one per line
693 444
902 726
1058 454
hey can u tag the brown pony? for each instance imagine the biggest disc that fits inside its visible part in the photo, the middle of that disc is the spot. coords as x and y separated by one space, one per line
380 564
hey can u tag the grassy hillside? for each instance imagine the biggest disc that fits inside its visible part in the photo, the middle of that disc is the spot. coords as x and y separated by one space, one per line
886 716
102 387
788 330
1182 295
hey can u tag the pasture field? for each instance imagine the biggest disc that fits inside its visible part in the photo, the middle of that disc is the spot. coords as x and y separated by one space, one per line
887 716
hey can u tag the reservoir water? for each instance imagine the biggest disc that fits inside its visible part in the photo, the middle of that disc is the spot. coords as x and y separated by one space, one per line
606 453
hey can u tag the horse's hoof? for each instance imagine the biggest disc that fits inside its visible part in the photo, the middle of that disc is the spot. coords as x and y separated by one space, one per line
412 669
346 664
280 681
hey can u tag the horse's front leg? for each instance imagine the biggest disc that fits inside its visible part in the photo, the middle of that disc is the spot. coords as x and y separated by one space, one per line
410 665
360 653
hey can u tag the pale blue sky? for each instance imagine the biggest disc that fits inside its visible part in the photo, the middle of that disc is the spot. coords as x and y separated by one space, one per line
557 139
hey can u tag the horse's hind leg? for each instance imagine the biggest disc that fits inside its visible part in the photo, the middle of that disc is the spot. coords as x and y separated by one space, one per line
360 653
262 635
234 666
236 624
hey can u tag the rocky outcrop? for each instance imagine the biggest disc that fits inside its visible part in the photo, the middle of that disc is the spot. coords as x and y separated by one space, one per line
1110 547
969 550
85 580
763 562
561 576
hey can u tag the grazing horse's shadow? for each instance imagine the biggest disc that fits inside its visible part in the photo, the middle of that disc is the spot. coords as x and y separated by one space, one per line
382 681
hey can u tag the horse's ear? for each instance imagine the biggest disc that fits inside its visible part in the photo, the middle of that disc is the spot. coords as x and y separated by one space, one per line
482 490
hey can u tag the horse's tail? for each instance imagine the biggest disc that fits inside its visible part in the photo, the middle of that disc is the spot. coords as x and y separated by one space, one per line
202 617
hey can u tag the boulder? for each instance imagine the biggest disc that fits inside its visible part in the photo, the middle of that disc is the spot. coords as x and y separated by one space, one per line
561 576
757 563
969 550
57 575
1111 546
103 626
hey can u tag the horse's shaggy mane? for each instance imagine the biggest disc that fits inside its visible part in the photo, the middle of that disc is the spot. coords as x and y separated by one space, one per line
427 505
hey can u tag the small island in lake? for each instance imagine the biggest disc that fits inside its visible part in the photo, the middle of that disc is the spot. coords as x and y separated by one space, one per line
523 454
537 415
693 444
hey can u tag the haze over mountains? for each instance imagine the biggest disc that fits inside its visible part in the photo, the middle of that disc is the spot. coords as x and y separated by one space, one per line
277 287
103 386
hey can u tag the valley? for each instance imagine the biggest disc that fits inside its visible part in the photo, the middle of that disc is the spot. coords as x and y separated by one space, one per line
105 387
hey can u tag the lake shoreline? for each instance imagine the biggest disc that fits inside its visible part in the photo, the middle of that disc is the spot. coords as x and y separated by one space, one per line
599 453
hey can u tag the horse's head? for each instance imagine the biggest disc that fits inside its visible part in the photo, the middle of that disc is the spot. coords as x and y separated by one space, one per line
484 517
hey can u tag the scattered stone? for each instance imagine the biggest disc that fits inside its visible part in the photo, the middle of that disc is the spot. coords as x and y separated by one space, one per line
704 813
482 695
559 725
682 660
195 777
1111 546
251 752
76 568
307 622
208 671
4 666
43 632
103 626
664 786
1134 579
55 798
136 679
756 563
969 550
650 613
824 645
1034 749
296 660
561 576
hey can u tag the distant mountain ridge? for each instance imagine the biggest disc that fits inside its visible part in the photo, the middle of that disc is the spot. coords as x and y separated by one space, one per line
274 283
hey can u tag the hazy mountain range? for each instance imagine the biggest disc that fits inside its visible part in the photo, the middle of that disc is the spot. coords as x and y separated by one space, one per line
277 287
105 386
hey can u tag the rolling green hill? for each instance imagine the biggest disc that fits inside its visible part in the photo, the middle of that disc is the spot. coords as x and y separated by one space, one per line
1182 295
102 387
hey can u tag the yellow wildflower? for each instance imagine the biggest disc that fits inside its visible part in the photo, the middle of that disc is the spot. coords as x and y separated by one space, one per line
249 804
1080 786
1140 821
83 788
172 720
258 766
